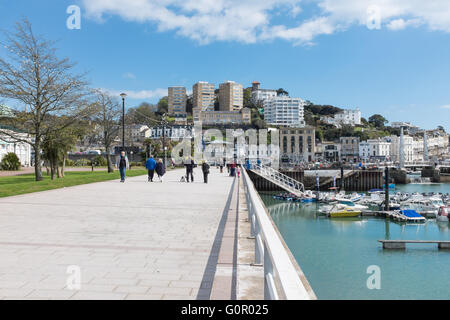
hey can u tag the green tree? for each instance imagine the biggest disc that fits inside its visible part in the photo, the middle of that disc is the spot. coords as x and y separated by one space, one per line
163 106
10 162
282 92
378 121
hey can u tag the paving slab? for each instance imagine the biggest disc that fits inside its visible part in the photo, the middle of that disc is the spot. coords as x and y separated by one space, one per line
116 240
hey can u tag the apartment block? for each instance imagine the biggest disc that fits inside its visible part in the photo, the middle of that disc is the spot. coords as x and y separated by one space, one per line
222 117
297 144
177 100
350 149
285 111
203 96
231 96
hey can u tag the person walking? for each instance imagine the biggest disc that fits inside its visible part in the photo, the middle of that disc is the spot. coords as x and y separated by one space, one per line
238 170
123 165
150 165
189 164
160 170
205 169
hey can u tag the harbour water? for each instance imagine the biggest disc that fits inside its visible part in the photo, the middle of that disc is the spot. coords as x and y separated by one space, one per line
335 254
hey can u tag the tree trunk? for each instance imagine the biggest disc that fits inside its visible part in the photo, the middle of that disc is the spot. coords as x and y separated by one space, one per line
63 169
109 161
52 170
37 161
59 171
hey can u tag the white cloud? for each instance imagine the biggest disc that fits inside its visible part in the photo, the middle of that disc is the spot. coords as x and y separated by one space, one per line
139 95
446 107
129 75
250 21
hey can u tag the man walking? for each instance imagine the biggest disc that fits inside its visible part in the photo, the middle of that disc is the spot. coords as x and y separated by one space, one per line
150 165
189 164
205 169
123 165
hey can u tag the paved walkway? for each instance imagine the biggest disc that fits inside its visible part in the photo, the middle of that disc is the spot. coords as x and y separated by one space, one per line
136 240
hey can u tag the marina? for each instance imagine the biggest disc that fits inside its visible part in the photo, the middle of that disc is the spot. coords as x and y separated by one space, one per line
335 253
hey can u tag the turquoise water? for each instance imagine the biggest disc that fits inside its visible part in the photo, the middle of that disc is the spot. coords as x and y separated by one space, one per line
334 254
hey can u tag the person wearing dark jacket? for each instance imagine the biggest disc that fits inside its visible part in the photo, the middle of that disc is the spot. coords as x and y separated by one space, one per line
123 165
205 169
160 170
189 164
150 165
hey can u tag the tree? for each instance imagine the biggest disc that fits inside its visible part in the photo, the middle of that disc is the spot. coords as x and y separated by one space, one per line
33 75
56 145
163 105
378 121
143 113
282 92
10 162
107 116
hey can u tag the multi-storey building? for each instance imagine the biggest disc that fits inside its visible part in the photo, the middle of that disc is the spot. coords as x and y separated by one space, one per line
374 150
222 117
203 96
284 111
231 96
412 129
260 95
408 148
177 100
297 144
331 151
349 149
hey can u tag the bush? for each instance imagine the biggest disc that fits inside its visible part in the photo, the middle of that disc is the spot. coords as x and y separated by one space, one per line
70 163
10 162
82 163
100 161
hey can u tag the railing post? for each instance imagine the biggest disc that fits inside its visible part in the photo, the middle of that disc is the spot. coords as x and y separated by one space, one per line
259 245
270 292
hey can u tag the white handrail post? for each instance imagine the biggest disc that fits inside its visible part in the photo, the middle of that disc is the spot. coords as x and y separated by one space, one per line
259 245
270 292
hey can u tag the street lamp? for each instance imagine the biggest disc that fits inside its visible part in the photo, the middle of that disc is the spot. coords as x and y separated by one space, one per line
123 95
164 122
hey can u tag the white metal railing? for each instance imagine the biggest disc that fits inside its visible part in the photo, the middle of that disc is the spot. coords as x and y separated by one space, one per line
280 179
282 275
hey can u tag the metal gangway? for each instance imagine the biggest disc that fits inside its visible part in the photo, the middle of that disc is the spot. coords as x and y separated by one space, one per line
283 181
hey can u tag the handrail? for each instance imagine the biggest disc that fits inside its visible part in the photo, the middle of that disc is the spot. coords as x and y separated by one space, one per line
283 278
273 175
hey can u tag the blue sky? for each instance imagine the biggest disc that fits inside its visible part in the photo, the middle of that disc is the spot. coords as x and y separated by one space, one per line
320 51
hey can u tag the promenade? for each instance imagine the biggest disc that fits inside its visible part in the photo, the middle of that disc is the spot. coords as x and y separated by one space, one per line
136 240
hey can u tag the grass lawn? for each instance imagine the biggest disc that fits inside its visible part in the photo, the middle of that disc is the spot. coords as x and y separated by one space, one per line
11 186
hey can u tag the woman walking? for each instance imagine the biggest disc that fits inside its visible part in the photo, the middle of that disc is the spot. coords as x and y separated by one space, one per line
160 170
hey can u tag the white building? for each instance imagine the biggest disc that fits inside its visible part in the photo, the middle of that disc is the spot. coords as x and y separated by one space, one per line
408 148
412 129
260 95
172 132
21 149
285 111
375 149
346 117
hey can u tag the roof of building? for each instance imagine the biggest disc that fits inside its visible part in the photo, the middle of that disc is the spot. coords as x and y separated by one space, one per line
6 112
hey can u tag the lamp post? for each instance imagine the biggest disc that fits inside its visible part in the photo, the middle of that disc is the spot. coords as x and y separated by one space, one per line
164 139
123 95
